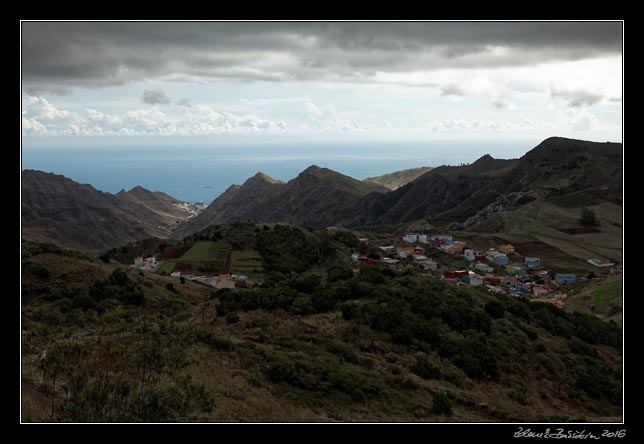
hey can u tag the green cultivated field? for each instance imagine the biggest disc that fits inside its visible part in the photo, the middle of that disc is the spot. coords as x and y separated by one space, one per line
201 251
201 257
167 267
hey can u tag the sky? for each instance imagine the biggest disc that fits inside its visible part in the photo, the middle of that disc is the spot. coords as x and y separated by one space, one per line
93 84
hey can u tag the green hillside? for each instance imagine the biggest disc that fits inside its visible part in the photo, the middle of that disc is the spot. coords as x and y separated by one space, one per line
102 342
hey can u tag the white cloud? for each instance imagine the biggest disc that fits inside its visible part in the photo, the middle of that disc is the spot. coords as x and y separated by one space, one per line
42 118
583 120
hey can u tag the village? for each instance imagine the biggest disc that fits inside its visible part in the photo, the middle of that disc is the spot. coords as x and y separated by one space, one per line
500 269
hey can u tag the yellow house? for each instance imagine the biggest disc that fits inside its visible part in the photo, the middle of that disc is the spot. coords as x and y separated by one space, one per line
507 249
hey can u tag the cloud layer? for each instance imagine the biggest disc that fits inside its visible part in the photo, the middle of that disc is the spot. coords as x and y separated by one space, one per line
57 56
41 118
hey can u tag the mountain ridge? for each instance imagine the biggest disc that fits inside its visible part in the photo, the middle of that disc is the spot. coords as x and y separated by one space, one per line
78 216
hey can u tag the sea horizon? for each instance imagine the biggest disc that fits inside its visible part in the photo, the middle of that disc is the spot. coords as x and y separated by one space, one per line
201 173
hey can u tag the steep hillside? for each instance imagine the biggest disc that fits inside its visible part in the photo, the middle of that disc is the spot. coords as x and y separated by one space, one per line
397 179
437 190
317 197
59 210
234 204
565 172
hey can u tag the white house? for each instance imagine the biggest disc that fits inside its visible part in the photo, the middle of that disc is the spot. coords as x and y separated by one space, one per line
484 267
476 280
409 238
469 254
429 264
422 238
601 262
175 274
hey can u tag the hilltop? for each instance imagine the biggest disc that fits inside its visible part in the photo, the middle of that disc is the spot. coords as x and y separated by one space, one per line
398 178
317 197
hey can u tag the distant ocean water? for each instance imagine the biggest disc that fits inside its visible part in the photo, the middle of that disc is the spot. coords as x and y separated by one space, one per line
200 173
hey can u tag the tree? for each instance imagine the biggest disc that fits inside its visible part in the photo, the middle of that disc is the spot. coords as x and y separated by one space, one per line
587 218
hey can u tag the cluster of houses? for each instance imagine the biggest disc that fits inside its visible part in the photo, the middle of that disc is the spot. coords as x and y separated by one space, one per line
519 278
147 264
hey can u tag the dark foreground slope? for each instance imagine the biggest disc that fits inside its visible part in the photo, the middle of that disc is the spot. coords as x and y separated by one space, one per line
104 342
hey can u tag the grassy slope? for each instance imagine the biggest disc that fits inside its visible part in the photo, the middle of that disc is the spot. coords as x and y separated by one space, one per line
602 297
201 251
539 220
398 178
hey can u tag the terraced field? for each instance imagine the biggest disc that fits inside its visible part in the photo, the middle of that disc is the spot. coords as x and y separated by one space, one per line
248 262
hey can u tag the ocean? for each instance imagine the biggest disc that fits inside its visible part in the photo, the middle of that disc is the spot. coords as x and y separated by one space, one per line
201 173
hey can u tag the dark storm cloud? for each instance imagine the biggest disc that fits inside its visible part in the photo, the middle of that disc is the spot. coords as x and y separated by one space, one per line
60 55
155 97
577 97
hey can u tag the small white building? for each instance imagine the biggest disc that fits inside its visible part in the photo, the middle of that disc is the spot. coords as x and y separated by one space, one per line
410 238
484 267
476 280
469 254
387 248
175 274
601 262
429 264
494 289
422 238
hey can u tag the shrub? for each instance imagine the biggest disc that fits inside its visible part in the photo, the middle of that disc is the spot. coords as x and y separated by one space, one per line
338 273
441 404
587 218
40 272
232 318
214 341
495 309
425 369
